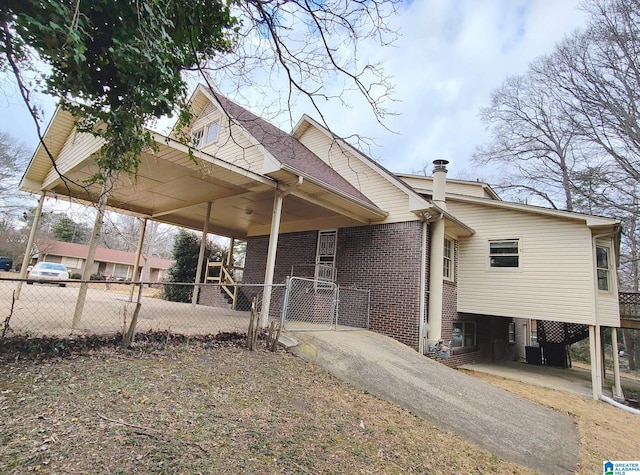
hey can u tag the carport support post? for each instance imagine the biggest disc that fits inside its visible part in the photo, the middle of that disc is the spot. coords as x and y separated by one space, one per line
91 254
436 287
596 361
32 237
136 265
617 389
271 256
203 247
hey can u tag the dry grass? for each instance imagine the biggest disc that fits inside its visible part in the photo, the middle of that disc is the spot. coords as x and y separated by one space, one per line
218 410
606 432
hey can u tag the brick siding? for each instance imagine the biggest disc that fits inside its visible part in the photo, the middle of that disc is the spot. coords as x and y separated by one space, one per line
384 259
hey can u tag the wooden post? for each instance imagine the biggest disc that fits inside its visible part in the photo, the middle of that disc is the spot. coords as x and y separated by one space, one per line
203 246
136 265
32 237
93 245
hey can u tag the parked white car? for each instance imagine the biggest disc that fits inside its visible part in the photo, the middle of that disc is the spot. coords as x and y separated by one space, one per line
48 271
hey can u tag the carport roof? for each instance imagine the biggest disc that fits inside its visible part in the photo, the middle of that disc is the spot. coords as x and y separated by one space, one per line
175 183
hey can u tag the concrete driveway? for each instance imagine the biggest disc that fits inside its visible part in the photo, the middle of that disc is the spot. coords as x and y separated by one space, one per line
506 425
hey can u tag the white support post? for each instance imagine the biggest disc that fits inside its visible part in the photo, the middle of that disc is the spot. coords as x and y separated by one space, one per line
271 256
93 245
595 356
436 287
32 237
136 265
422 331
203 246
617 388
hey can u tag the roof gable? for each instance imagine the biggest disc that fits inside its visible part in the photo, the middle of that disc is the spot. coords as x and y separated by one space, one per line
281 146
416 201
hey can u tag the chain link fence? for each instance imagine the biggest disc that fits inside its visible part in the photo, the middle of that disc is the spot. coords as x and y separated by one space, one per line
320 305
50 310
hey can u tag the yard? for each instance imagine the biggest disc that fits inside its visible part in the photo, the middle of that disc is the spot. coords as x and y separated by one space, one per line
218 408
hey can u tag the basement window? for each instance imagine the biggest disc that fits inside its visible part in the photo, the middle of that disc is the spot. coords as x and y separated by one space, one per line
504 253
463 335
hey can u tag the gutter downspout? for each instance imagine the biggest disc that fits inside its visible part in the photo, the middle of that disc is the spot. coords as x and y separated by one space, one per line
273 246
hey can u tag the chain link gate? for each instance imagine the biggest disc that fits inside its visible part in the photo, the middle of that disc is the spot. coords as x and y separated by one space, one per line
309 304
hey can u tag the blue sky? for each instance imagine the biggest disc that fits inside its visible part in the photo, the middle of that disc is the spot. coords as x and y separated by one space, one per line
451 54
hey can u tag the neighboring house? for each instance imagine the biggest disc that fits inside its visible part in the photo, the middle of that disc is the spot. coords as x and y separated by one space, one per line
444 260
109 263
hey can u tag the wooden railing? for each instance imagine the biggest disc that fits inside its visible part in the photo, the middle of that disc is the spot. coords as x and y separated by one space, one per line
629 309
224 278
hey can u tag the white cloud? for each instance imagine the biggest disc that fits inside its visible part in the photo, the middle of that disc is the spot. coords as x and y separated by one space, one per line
450 56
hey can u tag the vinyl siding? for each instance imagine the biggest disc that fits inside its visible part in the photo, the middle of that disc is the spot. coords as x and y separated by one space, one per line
232 145
77 148
607 301
555 280
374 186
425 184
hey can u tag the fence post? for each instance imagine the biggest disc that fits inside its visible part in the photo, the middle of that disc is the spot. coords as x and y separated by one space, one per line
285 301
127 338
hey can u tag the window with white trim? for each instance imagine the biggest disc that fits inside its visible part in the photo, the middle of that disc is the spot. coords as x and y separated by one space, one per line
205 135
602 265
213 129
448 270
463 335
504 253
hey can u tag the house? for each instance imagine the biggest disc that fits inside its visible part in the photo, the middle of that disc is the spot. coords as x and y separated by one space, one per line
444 260
109 263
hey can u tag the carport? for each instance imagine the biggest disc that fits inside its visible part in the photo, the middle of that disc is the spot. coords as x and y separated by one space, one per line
184 186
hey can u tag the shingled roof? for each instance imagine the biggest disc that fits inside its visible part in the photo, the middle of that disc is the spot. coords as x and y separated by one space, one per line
287 149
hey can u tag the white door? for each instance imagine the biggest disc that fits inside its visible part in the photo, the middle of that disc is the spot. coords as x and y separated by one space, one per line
326 255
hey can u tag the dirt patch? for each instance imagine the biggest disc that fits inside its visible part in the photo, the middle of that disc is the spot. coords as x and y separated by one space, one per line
605 432
202 408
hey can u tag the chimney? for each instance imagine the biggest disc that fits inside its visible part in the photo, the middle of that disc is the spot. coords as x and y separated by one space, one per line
440 183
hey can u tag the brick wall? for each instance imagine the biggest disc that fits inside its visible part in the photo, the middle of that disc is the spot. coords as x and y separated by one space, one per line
384 259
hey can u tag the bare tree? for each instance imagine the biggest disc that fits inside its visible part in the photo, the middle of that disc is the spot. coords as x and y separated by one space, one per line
532 139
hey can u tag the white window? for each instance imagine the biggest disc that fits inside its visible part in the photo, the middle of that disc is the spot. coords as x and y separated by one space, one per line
213 130
448 271
205 135
602 265
464 335
197 138
504 253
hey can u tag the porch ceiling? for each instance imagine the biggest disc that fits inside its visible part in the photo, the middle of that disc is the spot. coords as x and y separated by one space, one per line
174 188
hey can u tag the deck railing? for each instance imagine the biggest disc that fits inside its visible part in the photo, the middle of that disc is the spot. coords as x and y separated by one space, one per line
629 305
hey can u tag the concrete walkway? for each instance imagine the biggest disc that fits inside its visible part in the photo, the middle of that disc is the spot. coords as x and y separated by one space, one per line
501 423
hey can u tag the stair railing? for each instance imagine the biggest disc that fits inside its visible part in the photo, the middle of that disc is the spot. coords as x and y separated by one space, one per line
224 278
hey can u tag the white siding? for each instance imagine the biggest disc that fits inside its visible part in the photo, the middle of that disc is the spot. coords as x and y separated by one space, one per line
555 280
232 145
607 302
78 148
378 189
425 184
